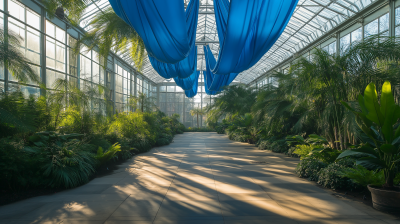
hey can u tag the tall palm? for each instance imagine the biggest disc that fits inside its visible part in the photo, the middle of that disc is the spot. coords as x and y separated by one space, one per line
235 99
142 101
74 8
197 112
68 94
13 60
110 32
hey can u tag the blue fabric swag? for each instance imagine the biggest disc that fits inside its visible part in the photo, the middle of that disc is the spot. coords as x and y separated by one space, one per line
162 25
193 91
247 30
187 66
214 83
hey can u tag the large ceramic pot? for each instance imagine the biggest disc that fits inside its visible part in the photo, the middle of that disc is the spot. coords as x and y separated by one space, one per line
385 200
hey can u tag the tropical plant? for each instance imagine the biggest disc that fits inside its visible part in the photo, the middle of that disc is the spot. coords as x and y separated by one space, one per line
236 99
13 60
142 102
377 120
111 32
103 157
74 8
197 112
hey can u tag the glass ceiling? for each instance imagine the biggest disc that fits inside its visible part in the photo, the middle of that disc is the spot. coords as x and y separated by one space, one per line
311 19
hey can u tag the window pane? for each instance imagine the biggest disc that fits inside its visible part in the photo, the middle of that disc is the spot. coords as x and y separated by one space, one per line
16 10
356 35
50 29
33 19
170 88
384 23
344 42
371 28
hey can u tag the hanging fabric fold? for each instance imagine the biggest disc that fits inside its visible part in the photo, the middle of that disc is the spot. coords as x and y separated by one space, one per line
214 83
161 24
247 30
193 91
187 83
182 69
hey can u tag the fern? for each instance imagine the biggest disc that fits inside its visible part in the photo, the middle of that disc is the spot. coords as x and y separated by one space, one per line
103 157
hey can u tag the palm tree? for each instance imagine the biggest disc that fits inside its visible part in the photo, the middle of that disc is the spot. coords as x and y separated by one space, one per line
13 60
235 99
197 112
111 32
75 9
145 103
67 94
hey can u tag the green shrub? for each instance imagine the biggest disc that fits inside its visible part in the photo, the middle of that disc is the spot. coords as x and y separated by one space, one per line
362 176
309 168
331 176
303 150
279 146
103 157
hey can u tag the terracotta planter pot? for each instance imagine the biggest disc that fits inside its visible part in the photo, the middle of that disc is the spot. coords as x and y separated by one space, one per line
385 200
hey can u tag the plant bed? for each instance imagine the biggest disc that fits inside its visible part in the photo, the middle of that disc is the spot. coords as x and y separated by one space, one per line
385 200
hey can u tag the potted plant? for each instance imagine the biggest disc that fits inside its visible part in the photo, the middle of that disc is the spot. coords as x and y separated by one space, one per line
377 120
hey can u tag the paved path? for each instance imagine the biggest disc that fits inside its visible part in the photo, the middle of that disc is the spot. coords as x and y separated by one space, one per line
200 178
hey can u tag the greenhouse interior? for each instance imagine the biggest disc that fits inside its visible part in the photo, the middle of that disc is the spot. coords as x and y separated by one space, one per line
200 111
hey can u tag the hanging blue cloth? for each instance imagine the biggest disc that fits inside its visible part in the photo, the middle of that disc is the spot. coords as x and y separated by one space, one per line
161 24
208 92
187 83
187 66
182 69
214 83
247 30
193 91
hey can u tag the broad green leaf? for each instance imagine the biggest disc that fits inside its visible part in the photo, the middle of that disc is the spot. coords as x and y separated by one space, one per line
362 104
371 163
361 121
372 105
347 106
353 152
387 100
395 141
388 149
397 133
390 119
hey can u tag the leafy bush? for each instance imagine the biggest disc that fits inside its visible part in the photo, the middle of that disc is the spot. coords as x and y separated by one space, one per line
102 157
303 150
202 129
331 176
309 168
362 176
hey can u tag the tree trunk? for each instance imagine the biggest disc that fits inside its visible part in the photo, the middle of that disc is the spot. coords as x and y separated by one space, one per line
345 140
341 140
197 120
336 137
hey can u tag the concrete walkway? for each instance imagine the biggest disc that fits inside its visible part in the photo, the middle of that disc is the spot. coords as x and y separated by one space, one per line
200 178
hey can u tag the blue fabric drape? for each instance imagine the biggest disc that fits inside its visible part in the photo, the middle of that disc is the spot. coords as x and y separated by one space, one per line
193 91
187 66
214 82
187 83
161 24
247 30
182 69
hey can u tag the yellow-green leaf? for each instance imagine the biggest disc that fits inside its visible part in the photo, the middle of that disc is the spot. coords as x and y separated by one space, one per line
372 105
387 100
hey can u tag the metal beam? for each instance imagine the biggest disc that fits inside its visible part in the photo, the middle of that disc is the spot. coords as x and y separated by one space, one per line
204 42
